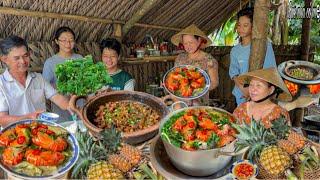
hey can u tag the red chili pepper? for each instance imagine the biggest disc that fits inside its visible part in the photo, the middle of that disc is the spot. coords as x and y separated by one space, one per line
21 139
50 132
43 126
191 124
34 131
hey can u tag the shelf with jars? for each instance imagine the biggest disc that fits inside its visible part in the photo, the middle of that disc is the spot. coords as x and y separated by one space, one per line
148 59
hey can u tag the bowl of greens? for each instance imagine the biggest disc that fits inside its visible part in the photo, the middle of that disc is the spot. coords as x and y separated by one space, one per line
199 140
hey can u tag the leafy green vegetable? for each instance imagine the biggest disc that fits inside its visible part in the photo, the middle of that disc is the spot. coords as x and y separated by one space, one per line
81 76
213 140
26 168
224 120
172 137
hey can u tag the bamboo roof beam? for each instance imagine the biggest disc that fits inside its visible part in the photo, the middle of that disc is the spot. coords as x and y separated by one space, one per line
146 6
29 13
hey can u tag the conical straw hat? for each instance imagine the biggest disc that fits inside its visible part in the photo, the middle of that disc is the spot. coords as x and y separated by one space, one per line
269 75
191 30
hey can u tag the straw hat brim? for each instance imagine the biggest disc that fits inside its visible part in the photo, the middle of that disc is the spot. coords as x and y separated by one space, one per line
269 75
190 30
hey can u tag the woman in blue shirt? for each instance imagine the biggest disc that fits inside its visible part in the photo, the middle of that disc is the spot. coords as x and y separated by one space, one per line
239 55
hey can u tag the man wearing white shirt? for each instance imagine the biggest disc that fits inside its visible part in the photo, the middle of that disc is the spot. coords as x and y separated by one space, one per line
22 93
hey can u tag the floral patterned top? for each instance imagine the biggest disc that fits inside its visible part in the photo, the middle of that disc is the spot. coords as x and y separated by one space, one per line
241 114
202 63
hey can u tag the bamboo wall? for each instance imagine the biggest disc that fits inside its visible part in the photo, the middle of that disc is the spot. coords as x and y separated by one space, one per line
145 72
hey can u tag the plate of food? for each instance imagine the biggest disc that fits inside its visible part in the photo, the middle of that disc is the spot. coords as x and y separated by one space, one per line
37 150
301 72
244 169
186 82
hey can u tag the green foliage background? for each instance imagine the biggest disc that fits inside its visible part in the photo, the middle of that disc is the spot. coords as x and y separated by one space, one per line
227 30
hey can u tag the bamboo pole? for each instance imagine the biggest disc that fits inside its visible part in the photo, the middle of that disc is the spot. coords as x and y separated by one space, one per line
29 13
146 6
259 34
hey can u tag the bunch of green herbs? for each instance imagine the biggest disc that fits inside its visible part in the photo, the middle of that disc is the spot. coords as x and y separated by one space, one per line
81 76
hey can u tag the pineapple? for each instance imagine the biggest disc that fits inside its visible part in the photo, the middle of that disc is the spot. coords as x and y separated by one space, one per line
287 146
131 153
284 132
103 170
120 162
92 152
274 160
297 139
255 136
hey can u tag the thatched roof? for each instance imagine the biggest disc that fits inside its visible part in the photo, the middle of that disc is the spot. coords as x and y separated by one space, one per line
177 14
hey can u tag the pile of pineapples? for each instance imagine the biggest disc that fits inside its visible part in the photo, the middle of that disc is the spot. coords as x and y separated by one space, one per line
274 148
106 158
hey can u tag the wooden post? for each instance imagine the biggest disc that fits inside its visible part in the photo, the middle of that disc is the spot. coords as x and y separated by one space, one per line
305 35
305 46
259 34
147 5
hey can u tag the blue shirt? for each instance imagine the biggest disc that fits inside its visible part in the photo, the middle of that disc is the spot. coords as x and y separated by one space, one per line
239 64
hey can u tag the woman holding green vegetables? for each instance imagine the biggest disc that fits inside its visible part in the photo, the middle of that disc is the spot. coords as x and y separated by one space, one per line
64 38
110 55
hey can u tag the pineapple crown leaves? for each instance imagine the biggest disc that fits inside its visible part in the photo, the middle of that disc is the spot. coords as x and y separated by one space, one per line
255 136
280 127
90 152
110 139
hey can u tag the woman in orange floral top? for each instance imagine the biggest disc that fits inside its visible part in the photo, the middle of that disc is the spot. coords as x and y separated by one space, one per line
264 86
193 41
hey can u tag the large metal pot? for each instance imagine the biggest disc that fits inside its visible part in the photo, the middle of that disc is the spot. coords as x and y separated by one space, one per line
87 112
201 162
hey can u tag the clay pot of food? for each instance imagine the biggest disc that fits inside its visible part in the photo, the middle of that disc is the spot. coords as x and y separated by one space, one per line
135 114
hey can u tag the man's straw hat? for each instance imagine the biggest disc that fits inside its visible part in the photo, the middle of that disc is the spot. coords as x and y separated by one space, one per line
191 30
269 75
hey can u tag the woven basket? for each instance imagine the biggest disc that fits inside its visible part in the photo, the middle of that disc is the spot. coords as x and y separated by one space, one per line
263 174
308 174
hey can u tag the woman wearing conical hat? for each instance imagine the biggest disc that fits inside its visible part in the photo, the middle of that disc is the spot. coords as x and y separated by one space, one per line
193 41
265 86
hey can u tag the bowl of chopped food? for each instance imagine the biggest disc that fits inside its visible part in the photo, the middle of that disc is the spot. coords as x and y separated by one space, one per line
199 140
186 82
135 114
244 169
301 72
37 150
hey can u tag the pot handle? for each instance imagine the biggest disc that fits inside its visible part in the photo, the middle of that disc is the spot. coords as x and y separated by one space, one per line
290 62
224 153
171 108
73 105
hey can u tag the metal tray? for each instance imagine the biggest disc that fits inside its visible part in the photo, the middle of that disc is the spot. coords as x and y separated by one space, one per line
312 120
163 165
